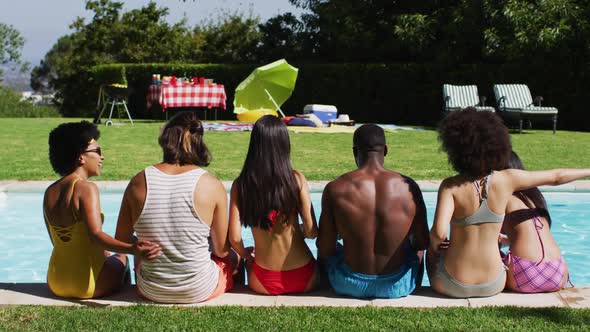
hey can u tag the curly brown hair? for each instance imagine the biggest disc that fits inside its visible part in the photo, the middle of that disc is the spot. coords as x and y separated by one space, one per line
476 142
67 142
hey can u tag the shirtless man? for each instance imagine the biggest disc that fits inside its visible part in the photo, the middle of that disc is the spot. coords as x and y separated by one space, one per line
381 217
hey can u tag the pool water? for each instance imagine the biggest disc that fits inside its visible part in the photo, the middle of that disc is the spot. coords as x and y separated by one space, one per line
25 246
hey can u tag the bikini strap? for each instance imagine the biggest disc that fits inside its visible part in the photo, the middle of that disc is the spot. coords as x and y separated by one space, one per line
538 227
478 189
482 194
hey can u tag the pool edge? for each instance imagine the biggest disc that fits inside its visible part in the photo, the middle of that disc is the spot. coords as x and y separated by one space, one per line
315 186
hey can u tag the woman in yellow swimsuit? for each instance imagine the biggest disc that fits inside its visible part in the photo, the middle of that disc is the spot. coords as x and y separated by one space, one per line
79 266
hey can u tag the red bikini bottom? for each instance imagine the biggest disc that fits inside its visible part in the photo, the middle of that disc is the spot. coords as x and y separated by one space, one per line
284 282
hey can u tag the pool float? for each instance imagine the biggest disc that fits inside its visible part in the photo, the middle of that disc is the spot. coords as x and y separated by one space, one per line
253 116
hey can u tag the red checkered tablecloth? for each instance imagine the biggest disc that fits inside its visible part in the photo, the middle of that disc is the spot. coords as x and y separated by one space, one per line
200 95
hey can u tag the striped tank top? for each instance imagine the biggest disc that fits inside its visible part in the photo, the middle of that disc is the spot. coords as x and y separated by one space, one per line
184 273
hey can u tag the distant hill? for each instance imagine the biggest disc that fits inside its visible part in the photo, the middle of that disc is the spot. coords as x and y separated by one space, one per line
15 79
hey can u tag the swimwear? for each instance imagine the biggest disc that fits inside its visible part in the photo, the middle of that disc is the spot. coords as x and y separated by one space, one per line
539 277
226 271
455 288
185 271
76 261
284 282
390 286
483 213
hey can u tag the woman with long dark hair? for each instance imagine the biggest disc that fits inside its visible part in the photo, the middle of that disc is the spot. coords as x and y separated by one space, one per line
473 203
268 197
535 263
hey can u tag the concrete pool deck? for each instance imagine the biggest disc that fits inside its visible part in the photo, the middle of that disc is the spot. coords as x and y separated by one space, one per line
39 294
315 186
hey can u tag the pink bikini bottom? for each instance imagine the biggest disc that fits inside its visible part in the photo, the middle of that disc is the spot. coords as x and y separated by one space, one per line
532 277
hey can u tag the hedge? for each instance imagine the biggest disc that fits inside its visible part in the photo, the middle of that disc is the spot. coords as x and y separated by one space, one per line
403 94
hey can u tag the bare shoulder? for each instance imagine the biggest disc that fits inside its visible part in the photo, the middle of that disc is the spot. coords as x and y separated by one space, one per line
343 183
138 180
451 183
301 180
412 184
86 188
211 182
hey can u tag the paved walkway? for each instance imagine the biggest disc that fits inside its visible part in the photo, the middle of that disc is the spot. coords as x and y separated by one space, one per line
38 294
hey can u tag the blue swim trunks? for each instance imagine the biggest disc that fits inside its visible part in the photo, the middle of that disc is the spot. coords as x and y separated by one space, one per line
388 286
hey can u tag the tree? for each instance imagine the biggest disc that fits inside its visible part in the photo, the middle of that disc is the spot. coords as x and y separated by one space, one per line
110 36
11 43
281 37
231 38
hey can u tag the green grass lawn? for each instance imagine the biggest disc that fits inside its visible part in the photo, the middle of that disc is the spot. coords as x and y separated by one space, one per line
141 318
128 149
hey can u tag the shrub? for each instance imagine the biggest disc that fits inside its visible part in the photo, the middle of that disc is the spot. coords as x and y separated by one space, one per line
12 107
382 93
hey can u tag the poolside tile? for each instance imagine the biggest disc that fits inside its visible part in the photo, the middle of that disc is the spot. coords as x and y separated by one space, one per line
126 297
33 294
242 300
578 297
323 298
541 300
423 298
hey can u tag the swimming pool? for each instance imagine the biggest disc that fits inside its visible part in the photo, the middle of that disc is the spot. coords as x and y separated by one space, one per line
25 246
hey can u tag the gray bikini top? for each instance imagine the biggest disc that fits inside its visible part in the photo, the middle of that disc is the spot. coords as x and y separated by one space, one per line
483 214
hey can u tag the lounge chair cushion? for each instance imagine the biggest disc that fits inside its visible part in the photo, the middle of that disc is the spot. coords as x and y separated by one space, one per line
484 108
515 96
533 110
460 96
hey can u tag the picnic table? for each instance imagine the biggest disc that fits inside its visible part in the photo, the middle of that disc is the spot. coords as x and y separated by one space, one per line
208 96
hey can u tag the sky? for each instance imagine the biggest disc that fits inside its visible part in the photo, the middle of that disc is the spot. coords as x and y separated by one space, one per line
42 22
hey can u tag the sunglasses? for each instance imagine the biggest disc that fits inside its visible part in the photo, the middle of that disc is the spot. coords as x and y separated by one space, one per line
97 150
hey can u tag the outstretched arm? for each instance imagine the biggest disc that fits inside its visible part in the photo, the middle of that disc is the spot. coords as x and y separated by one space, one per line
522 180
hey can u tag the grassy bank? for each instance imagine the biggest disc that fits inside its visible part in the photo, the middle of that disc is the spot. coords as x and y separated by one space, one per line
128 149
141 318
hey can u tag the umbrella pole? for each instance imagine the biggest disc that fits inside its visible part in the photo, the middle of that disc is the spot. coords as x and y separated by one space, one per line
274 102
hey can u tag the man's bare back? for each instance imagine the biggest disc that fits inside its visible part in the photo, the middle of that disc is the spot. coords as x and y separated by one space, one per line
381 218
375 211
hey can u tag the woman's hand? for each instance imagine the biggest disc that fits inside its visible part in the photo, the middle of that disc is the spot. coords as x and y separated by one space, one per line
250 255
146 249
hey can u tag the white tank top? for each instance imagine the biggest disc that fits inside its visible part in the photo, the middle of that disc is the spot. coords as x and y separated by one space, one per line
184 273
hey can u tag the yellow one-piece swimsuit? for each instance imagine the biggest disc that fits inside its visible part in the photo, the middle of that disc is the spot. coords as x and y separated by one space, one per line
75 262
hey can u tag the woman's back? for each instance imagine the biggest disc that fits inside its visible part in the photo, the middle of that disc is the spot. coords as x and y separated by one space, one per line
472 256
282 247
529 238
76 261
184 272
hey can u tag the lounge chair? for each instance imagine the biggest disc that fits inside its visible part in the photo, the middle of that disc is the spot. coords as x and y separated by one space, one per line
516 103
457 97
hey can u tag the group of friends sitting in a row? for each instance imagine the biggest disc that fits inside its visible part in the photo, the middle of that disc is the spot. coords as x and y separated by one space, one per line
187 242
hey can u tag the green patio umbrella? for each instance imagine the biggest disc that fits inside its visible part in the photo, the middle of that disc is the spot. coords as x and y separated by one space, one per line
267 87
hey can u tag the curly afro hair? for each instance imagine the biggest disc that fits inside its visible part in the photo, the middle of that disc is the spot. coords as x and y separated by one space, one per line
67 142
476 142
